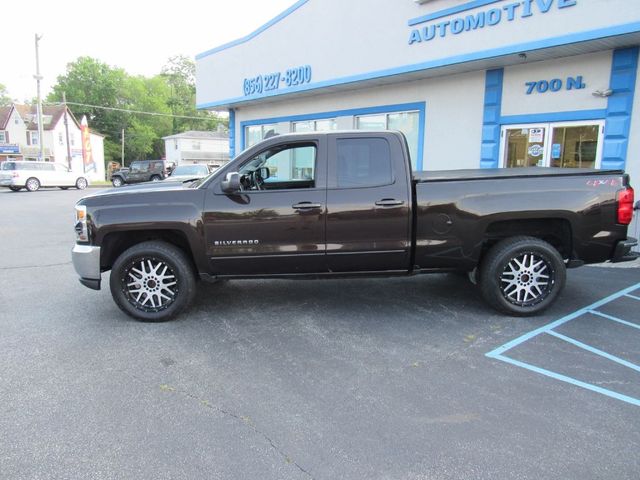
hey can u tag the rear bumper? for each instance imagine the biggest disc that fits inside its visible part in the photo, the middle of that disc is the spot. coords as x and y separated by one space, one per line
623 253
86 261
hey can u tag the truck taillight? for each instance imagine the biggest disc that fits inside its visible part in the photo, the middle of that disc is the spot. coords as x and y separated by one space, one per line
625 206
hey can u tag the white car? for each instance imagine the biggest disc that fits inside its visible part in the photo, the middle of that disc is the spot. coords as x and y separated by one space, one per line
33 175
188 172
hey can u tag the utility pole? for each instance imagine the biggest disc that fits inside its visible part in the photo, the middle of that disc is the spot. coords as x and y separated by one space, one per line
38 78
66 129
122 148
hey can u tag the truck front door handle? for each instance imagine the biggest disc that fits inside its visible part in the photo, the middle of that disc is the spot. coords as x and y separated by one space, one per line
389 202
306 206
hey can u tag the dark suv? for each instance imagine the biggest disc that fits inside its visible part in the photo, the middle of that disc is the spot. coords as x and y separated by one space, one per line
140 171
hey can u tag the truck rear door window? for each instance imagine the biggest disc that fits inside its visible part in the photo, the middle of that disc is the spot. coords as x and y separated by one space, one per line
363 162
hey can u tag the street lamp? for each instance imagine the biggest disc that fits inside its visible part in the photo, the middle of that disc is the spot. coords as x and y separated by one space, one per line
38 78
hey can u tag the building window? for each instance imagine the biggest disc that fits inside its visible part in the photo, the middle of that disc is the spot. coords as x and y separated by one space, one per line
72 138
257 133
195 145
175 144
565 145
60 139
406 122
3 137
316 125
33 138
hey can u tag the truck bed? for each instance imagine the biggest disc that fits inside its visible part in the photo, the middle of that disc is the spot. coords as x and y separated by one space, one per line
496 173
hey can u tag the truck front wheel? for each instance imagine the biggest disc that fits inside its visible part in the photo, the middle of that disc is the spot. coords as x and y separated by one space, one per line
152 281
522 275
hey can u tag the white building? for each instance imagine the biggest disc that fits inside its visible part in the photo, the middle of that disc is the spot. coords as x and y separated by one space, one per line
473 84
211 148
19 138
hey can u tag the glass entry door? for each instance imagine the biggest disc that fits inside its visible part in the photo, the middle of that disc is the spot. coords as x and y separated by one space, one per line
566 145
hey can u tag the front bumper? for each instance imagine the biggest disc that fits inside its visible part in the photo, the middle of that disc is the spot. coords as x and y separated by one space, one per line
623 252
86 261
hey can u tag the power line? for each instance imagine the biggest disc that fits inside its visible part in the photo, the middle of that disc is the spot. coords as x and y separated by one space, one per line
139 112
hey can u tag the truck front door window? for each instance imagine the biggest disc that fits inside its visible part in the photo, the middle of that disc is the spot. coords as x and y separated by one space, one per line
290 166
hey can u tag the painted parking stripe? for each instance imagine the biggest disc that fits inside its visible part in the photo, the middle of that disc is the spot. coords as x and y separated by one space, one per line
572 381
498 353
615 319
591 349
565 319
632 296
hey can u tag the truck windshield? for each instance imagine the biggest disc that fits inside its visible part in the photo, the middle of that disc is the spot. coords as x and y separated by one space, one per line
190 170
8 166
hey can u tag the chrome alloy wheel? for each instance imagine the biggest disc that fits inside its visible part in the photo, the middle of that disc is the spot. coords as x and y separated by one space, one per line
149 284
527 279
32 184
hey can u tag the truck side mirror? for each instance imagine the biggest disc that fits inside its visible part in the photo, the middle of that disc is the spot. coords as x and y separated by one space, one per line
264 172
231 184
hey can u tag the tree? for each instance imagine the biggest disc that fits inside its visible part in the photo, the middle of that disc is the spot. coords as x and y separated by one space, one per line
180 74
91 82
95 84
5 99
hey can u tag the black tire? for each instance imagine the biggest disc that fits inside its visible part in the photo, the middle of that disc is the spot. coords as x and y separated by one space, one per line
63 188
155 178
81 183
522 276
15 189
129 266
32 184
117 181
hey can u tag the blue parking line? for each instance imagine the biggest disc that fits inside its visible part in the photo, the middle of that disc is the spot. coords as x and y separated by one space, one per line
572 381
549 329
565 319
615 319
591 349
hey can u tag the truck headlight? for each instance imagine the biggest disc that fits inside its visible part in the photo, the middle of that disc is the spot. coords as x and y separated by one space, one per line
82 231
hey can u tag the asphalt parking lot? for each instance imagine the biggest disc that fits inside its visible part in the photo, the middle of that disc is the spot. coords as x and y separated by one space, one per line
408 378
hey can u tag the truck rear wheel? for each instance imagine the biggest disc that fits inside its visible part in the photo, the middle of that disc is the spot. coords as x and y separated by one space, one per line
522 275
152 281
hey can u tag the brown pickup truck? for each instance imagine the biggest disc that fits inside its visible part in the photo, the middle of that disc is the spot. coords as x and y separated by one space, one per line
348 204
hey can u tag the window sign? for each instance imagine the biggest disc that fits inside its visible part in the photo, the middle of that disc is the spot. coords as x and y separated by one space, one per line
563 145
536 135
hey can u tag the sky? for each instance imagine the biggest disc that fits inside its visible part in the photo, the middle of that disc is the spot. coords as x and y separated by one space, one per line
137 35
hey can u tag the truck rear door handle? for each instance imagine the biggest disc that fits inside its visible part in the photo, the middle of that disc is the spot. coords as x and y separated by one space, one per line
389 202
306 206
